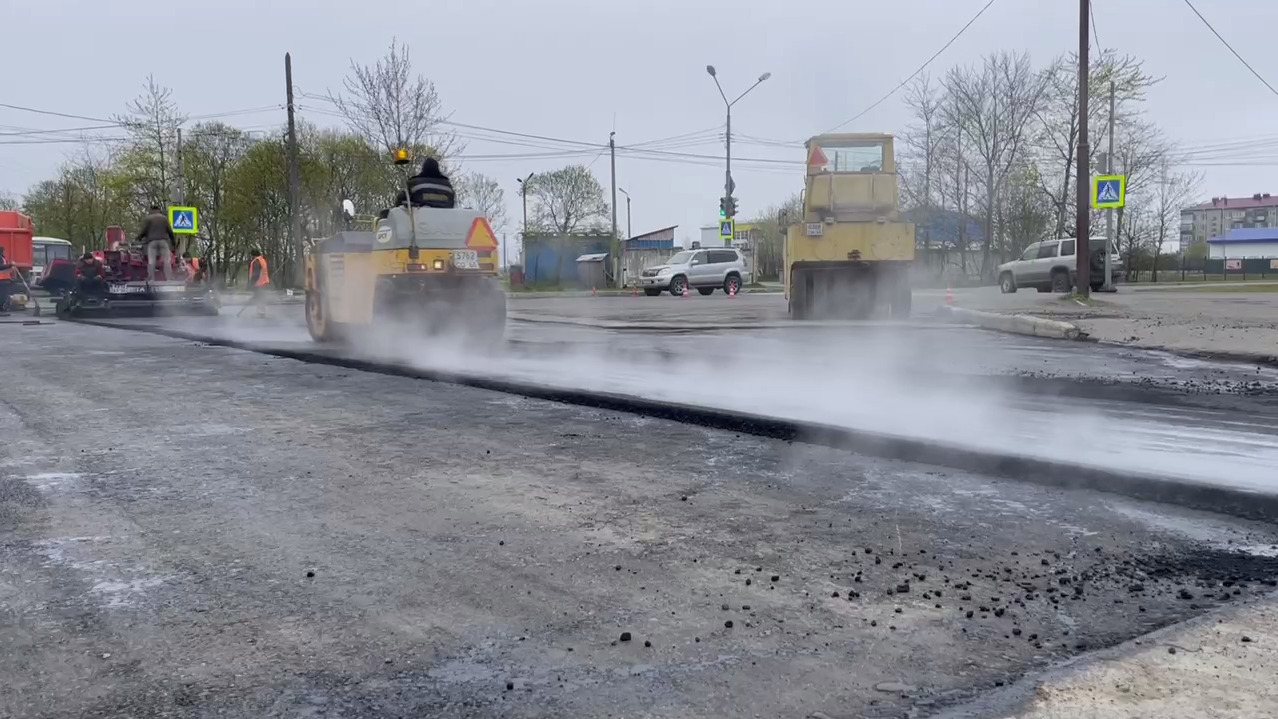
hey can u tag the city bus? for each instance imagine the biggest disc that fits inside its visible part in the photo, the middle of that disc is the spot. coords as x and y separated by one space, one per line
44 251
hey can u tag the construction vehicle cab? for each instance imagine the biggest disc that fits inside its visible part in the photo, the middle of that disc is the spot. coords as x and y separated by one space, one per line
849 253
422 270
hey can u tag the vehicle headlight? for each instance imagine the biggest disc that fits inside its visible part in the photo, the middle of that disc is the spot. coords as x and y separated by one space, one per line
664 271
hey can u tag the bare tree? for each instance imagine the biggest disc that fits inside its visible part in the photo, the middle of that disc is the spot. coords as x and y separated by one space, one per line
567 200
1140 152
924 140
1174 191
481 192
1056 120
389 106
992 106
9 202
151 159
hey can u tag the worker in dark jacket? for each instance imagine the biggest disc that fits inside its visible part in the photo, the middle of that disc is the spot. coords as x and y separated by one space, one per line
6 282
158 238
92 275
431 187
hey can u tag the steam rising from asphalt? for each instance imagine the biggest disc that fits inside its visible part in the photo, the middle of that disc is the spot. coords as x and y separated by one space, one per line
868 378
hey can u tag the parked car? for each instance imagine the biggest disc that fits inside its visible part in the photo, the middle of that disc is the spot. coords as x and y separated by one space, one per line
704 270
1050 266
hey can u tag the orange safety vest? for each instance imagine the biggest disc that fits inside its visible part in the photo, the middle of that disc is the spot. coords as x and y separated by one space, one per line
264 278
5 275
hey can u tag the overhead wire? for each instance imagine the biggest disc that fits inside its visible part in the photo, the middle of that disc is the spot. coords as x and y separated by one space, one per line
917 72
1231 49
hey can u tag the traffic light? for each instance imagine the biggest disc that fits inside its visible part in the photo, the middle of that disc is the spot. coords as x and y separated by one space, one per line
731 206
723 207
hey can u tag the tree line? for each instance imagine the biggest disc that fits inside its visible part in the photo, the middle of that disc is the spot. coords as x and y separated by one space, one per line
989 155
239 179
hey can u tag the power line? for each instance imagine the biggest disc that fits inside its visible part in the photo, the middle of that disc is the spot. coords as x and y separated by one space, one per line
1231 48
916 73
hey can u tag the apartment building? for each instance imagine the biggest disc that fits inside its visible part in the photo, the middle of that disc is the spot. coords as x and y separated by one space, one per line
1200 223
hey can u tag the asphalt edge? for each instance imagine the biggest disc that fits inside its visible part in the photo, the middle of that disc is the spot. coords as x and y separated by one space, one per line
1017 324
1224 500
1018 697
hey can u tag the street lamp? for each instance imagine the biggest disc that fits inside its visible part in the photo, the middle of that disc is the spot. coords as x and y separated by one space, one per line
629 232
728 185
523 191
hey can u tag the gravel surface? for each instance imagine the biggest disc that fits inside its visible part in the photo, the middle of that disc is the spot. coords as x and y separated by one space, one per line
193 531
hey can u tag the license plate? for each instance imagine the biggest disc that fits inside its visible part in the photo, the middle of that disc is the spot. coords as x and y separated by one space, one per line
466 259
125 289
170 288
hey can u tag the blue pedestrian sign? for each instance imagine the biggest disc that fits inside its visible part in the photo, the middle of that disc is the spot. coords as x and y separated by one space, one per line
727 229
1109 191
184 220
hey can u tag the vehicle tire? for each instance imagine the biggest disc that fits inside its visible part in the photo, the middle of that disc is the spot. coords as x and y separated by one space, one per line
706 290
317 323
1007 283
1043 289
732 285
651 292
1060 282
677 283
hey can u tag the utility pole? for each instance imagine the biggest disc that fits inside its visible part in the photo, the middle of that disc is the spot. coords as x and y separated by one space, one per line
629 229
1082 221
616 239
1109 212
181 193
294 211
523 192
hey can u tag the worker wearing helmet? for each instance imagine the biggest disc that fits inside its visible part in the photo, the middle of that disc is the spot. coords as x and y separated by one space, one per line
6 281
431 187
158 238
259 280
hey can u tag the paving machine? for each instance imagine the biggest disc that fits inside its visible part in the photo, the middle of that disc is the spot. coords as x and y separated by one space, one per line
422 270
850 253
127 291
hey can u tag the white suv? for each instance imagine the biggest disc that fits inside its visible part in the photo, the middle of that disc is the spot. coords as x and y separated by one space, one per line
1050 266
704 270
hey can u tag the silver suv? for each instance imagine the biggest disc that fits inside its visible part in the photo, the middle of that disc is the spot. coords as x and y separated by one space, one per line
1050 266
704 270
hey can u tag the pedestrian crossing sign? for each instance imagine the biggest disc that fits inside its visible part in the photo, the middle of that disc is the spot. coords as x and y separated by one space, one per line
184 220
1109 191
727 229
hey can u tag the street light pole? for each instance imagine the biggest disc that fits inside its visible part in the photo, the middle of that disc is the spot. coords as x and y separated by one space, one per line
728 185
523 191
629 230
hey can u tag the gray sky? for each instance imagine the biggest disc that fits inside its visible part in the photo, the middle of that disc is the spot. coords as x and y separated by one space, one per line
576 69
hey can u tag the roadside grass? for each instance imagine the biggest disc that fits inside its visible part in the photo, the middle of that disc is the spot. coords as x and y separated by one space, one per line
1077 299
1269 286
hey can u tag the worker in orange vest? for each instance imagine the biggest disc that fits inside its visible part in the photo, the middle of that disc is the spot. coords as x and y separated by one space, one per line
259 280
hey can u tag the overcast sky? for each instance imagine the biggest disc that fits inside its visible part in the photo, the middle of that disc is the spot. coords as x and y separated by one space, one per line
577 69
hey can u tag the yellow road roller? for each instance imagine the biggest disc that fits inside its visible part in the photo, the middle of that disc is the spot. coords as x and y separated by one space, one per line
425 271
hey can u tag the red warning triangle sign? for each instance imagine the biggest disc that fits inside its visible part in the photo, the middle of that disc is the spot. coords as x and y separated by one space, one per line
817 158
481 235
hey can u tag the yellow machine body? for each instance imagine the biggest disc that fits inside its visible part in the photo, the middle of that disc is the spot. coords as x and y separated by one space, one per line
430 271
850 252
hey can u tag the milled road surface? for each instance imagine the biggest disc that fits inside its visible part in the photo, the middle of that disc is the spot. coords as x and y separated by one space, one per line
192 531
1220 427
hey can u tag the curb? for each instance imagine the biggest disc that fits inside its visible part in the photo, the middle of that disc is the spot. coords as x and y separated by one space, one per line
616 293
1018 324
1248 358
1225 500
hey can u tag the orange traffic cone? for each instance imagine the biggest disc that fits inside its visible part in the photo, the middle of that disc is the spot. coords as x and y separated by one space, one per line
634 290
592 292
732 290
949 296
685 289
